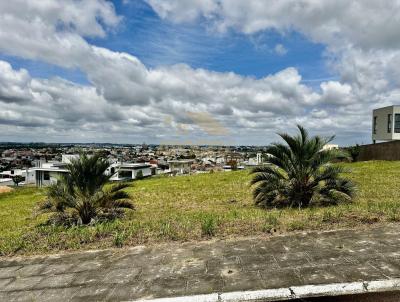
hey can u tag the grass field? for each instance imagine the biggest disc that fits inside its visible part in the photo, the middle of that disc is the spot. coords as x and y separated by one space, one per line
196 208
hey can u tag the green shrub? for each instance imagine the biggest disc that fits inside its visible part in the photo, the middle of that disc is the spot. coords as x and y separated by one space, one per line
299 174
167 230
208 225
271 222
119 238
296 225
354 152
83 193
17 179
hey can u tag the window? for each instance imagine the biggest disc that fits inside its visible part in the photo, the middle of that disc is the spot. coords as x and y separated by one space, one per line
397 123
46 175
374 127
125 174
389 125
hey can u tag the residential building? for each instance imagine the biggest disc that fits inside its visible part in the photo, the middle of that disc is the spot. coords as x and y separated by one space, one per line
6 181
48 173
330 147
27 174
180 166
386 123
128 171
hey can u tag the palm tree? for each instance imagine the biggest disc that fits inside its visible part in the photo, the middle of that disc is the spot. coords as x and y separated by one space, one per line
299 173
84 192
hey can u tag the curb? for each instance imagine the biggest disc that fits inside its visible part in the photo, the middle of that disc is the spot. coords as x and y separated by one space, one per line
289 293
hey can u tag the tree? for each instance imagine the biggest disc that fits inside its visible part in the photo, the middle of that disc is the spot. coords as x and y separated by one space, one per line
300 173
354 152
233 164
17 179
83 193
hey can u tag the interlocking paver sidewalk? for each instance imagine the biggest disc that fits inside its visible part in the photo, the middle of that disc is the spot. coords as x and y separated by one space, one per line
194 268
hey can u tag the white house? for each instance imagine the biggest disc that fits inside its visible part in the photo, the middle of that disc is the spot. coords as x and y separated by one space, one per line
6 182
386 123
128 171
180 166
48 173
28 175
255 161
227 168
330 147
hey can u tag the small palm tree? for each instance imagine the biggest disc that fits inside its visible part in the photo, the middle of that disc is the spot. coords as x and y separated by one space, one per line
299 173
83 192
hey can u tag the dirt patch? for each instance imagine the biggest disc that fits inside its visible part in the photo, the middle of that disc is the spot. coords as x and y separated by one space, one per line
5 189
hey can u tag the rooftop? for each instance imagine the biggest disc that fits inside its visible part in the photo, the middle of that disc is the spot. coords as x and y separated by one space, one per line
133 166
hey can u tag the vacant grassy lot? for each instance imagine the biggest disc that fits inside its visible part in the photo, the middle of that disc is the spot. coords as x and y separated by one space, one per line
197 207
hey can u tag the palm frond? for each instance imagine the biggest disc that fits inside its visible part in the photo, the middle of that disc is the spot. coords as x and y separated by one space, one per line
123 203
119 186
300 173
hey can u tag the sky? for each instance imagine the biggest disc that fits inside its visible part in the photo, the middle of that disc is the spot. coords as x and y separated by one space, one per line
225 72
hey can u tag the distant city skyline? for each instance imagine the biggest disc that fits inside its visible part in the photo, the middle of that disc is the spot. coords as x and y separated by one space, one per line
163 71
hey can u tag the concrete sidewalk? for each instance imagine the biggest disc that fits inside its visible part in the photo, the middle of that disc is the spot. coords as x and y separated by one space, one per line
214 268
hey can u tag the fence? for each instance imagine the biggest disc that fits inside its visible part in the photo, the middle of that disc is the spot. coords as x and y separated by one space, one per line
380 151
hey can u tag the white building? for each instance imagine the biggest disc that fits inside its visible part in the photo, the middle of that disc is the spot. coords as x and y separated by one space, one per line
46 173
6 182
259 158
330 147
27 174
49 173
255 161
180 166
386 124
128 171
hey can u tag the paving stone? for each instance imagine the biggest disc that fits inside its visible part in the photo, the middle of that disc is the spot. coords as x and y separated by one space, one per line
177 269
62 280
204 284
390 267
121 275
128 260
166 287
56 269
88 278
215 266
82 266
292 259
125 292
281 278
232 280
259 262
56 294
21 296
363 272
4 282
7 272
192 266
31 270
320 275
25 283
90 293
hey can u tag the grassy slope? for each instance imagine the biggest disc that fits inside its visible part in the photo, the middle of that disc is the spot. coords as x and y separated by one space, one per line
194 207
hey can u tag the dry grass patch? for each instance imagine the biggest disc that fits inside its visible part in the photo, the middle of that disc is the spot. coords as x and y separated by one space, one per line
5 189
